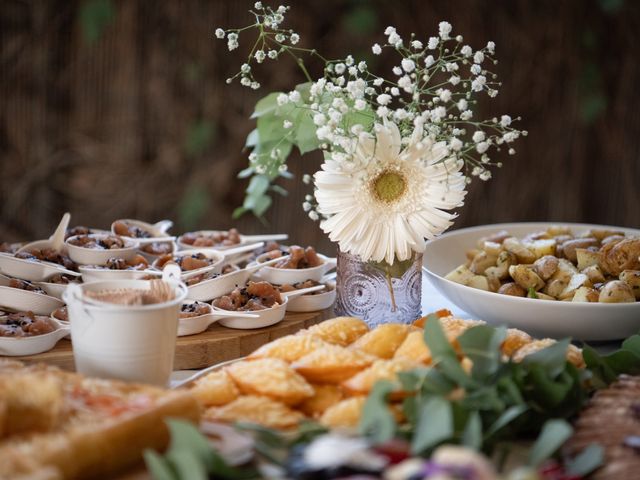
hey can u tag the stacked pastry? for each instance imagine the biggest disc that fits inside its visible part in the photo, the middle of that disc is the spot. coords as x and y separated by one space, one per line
325 372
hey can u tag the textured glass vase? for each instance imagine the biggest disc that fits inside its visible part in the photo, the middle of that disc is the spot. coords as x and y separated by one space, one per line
366 291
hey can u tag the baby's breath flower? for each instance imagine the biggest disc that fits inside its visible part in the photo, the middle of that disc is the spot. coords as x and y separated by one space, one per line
405 83
282 98
445 95
360 104
432 44
294 38
306 206
417 44
319 119
280 38
294 96
245 68
429 61
444 29
232 41
313 215
466 51
491 47
397 70
482 147
378 81
257 5
455 144
505 120
219 33
283 168
376 49
454 80
394 91
478 136
287 124
408 65
272 54
476 69
383 99
245 81
478 57
340 68
306 179
282 9
478 83
466 115
485 175
512 151
462 104
382 112
362 66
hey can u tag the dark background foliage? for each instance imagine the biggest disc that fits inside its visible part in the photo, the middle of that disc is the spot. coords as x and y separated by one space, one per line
119 108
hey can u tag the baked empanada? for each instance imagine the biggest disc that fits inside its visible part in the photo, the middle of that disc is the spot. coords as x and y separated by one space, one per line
289 348
439 313
574 354
362 382
270 377
414 348
344 414
332 364
252 408
382 341
339 330
515 340
326 396
215 389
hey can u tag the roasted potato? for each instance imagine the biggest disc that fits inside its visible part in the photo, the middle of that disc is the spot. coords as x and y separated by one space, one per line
524 276
620 256
524 255
585 294
632 278
616 291
546 266
512 289
569 247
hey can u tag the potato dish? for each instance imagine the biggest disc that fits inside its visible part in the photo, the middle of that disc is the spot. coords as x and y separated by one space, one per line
597 265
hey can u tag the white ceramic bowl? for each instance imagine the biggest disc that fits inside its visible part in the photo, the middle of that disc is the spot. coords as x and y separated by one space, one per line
54 290
150 257
280 276
157 231
313 302
195 325
26 301
216 257
32 270
15 347
93 274
544 318
244 239
94 256
133 343
267 317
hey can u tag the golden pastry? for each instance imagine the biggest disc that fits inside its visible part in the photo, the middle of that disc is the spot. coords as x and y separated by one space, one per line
414 348
383 341
271 377
439 313
251 408
574 354
214 389
362 382
332 364
515 340
339 330
326 396
344 414
289 348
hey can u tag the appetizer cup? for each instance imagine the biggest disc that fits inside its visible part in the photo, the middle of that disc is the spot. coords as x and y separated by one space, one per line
158 231
195 325
134 343
20 346
280 276
152 257
32 270
313 303
92 273
216 258
267 317
94 256
244 239
25 301
216 287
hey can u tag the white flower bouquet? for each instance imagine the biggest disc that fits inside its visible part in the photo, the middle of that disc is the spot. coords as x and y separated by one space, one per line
398 150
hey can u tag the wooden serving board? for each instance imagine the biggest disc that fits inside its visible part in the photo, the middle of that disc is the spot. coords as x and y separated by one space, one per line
216 344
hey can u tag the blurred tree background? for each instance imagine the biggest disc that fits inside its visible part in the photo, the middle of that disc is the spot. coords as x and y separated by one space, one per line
119 108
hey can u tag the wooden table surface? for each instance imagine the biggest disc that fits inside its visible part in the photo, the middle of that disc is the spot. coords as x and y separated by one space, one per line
216 344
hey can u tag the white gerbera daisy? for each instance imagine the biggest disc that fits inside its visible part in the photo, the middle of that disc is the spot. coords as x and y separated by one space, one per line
383 201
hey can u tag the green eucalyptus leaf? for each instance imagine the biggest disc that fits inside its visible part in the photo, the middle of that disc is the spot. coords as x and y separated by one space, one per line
262 204
435 424
258 185
623 361
158 467
238 212
187 464
270 437
632 344
508 416
185 436
436 340
253 138
603 374
279 189
549 392
377 421
591 458
266 105
436 382
472 433
553 358
411 380
305 136
247 172
482 345
553 435
485 397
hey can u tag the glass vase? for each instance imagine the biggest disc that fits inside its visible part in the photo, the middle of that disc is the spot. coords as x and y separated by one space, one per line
377 294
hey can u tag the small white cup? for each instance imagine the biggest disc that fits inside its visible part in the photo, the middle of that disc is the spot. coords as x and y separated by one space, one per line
133 343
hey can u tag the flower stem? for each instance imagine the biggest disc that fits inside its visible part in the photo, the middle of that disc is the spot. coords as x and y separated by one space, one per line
394 307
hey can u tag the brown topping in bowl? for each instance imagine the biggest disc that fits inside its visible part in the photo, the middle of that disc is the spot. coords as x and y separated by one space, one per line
195 309
61 314
128 230
25 285
255 296
186 261
157 248
24 324
298 258
48 255
217 239
106 242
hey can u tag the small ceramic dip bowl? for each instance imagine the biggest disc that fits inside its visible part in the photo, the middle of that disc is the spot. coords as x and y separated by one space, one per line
31 269
32 345
142 232
154 250
223 239
97 249
195 317
314 301
193 262
267 317
26 301
281 276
